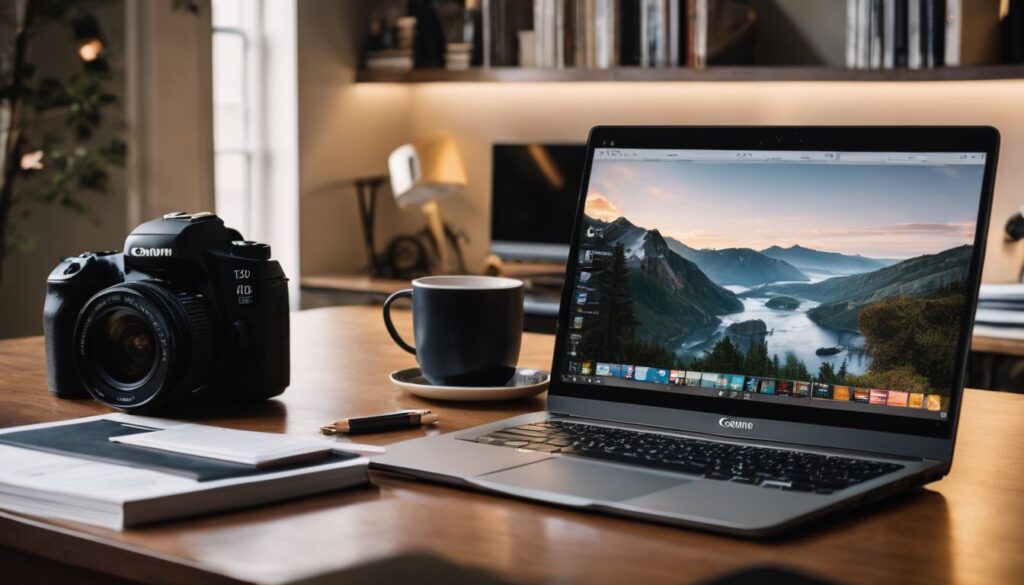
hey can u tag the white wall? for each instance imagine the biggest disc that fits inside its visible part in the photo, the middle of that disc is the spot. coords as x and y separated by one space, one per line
356 125
170 109
346 131
481 114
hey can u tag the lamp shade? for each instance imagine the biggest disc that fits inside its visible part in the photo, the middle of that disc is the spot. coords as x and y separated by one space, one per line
426 170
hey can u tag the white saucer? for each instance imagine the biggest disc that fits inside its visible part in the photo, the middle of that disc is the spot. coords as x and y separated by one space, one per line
526 382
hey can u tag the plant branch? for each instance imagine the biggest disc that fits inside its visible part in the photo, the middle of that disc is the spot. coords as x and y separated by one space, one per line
12 148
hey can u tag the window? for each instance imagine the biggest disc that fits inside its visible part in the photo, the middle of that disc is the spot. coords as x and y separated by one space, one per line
255 118
238 153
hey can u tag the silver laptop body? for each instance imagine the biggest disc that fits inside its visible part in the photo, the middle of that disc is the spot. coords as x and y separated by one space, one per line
846 413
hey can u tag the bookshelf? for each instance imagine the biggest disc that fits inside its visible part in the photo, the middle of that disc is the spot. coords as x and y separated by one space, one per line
739 73
697 40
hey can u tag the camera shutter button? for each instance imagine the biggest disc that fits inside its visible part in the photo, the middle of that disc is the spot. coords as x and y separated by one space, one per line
72 268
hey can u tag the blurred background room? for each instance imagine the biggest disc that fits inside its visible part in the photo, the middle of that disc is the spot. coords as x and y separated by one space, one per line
281 116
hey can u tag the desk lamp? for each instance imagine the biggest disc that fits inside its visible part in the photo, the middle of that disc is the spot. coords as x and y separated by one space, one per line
422 173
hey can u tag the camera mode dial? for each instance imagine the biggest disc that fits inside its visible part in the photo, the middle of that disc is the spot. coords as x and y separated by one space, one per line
250 250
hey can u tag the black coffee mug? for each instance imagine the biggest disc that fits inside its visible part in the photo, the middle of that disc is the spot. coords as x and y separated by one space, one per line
468 329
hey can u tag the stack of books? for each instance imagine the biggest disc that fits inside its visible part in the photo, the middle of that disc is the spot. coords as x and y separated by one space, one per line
121 470
921 34
1000 311
457 56
399 59
602 34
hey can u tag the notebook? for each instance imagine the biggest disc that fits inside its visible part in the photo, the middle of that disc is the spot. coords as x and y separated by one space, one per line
72 470
235 446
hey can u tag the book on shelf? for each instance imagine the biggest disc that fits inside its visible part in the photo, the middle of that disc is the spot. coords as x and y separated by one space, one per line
400 60
502 21
972 32
916 34
602 34
1013 33
888 34
875 17
900 32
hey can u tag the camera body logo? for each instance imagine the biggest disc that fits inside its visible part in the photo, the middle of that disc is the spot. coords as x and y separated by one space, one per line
141 252
735 424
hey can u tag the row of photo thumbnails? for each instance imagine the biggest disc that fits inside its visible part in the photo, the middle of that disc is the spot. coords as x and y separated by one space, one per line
755 384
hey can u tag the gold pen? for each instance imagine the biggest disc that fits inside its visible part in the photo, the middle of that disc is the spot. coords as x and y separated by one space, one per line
381 422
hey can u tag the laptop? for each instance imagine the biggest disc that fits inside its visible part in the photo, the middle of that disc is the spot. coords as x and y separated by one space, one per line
759 326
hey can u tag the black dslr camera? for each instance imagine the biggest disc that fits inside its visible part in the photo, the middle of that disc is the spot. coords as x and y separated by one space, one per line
189 311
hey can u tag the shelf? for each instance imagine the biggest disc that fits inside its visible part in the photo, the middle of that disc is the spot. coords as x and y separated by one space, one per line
752 73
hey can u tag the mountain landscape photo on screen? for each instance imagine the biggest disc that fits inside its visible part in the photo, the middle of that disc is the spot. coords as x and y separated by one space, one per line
843 274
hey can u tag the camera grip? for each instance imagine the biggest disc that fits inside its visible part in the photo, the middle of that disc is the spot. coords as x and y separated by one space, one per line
405 293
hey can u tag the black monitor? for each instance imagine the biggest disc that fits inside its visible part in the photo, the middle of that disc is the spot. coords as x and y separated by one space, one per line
535 189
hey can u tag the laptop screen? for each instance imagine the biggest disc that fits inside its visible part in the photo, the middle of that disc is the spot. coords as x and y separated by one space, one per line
830 280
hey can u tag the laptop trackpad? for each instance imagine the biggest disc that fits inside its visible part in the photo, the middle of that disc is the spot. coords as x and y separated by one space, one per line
581 478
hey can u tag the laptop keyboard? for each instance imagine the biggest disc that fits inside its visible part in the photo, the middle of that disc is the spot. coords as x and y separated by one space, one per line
761 466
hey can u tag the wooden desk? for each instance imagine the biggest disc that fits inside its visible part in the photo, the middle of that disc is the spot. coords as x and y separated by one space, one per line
964 529
997 345
326 290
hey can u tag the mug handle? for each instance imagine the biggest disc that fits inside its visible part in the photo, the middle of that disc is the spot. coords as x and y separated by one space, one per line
405 293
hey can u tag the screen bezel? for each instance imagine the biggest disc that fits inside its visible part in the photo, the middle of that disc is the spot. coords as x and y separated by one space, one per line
525 250
815 138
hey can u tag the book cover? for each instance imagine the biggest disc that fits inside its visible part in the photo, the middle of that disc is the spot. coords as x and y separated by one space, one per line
875 36
629 32
900 33
700 34
863 33
933 33
914 34
888 34
954 24
851 34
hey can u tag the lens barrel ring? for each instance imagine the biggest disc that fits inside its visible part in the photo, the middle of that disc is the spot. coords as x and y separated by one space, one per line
182 331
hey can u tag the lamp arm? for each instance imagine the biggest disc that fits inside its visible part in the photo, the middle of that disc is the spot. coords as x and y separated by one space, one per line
437 232
455 239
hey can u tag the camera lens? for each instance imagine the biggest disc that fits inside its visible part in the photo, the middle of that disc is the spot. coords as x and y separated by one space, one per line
141 344
125 346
